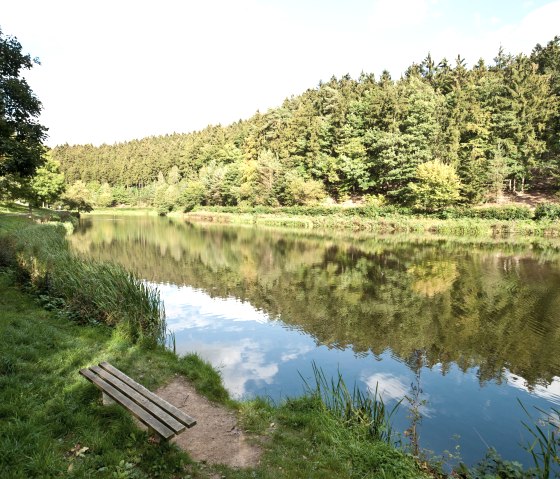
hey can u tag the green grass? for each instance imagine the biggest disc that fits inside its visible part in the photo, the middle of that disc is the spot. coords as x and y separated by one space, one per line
47 409
123 211
391 224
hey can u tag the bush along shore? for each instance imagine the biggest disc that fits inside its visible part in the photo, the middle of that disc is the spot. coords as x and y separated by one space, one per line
59 313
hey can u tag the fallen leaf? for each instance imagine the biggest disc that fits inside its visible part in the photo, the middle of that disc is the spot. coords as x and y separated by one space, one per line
82 451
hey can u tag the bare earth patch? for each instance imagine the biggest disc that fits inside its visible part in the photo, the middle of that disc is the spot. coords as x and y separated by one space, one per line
216 438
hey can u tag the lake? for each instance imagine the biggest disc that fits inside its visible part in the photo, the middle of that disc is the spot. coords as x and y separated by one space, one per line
462 330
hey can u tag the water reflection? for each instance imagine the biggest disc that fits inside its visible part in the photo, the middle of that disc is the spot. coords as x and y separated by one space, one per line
474 326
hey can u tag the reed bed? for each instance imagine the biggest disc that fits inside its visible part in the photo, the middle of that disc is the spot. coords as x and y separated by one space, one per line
357 409
86 290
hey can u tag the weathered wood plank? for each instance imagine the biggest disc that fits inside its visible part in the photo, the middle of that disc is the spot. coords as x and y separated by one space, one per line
139 399
176 413
119 397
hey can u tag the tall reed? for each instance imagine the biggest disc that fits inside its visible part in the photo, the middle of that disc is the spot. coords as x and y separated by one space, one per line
91 291
544 446
356 408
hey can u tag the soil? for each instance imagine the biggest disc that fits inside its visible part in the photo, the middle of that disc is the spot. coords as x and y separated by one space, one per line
530 199
217 437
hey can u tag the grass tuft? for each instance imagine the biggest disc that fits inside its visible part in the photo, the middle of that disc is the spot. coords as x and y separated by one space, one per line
359 409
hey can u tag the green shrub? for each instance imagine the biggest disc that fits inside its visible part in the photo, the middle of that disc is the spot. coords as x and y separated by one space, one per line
490 213
191 196
360 211
437 186
547 211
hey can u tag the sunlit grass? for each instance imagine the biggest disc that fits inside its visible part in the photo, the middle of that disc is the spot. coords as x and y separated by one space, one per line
390 224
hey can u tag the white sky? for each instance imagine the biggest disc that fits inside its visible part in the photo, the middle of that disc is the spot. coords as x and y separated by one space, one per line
121 69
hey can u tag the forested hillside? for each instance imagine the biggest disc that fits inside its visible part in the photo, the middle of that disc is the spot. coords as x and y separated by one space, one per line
462 134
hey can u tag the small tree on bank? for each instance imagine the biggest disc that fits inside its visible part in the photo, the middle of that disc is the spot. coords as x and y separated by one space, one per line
78 197
48 183
437 186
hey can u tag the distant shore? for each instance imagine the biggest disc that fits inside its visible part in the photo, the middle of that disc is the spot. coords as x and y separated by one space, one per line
339 219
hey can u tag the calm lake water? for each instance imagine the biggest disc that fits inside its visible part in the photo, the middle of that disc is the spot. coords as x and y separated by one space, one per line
472 328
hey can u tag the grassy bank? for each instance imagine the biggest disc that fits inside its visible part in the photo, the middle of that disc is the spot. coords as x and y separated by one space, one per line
85 290
48 412
389 224
123 211
506 221
52 420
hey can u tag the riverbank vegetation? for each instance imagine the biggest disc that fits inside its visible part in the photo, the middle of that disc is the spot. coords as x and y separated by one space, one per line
489 222
444 134
86 290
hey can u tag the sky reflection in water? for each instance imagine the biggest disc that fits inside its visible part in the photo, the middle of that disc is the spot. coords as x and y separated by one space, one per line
260 356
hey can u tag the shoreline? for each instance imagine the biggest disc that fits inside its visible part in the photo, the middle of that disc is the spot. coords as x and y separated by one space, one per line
383 225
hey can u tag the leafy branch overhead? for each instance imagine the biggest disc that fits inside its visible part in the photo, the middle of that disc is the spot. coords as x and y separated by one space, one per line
21 135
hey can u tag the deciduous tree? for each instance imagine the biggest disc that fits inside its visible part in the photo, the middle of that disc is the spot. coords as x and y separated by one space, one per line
21 135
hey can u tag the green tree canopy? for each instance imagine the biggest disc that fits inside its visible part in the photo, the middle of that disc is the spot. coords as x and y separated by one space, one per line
48 183
497 125
78 197
437 186
21 135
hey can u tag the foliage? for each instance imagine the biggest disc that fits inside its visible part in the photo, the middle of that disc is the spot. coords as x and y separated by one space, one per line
437 186
497 125
505 213
192 195
48 183
300 191
547 211
104 196
21 136
78 197
494 467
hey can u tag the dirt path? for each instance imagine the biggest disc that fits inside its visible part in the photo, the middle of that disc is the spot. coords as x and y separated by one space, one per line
216 438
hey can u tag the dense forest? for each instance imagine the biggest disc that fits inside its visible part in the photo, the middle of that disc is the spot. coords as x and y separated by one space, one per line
440 135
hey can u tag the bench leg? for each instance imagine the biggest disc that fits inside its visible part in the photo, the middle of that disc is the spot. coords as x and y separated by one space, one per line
107 400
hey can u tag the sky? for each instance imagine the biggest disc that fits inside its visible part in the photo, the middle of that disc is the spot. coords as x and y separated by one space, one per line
116 70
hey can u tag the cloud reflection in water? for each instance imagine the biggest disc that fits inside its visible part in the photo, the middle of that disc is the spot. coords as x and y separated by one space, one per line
223 331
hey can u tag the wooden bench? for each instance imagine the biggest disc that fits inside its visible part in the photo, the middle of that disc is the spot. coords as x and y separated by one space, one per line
160 416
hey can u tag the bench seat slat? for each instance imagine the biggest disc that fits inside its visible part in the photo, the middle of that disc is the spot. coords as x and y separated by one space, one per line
169 408
119 397
139 399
